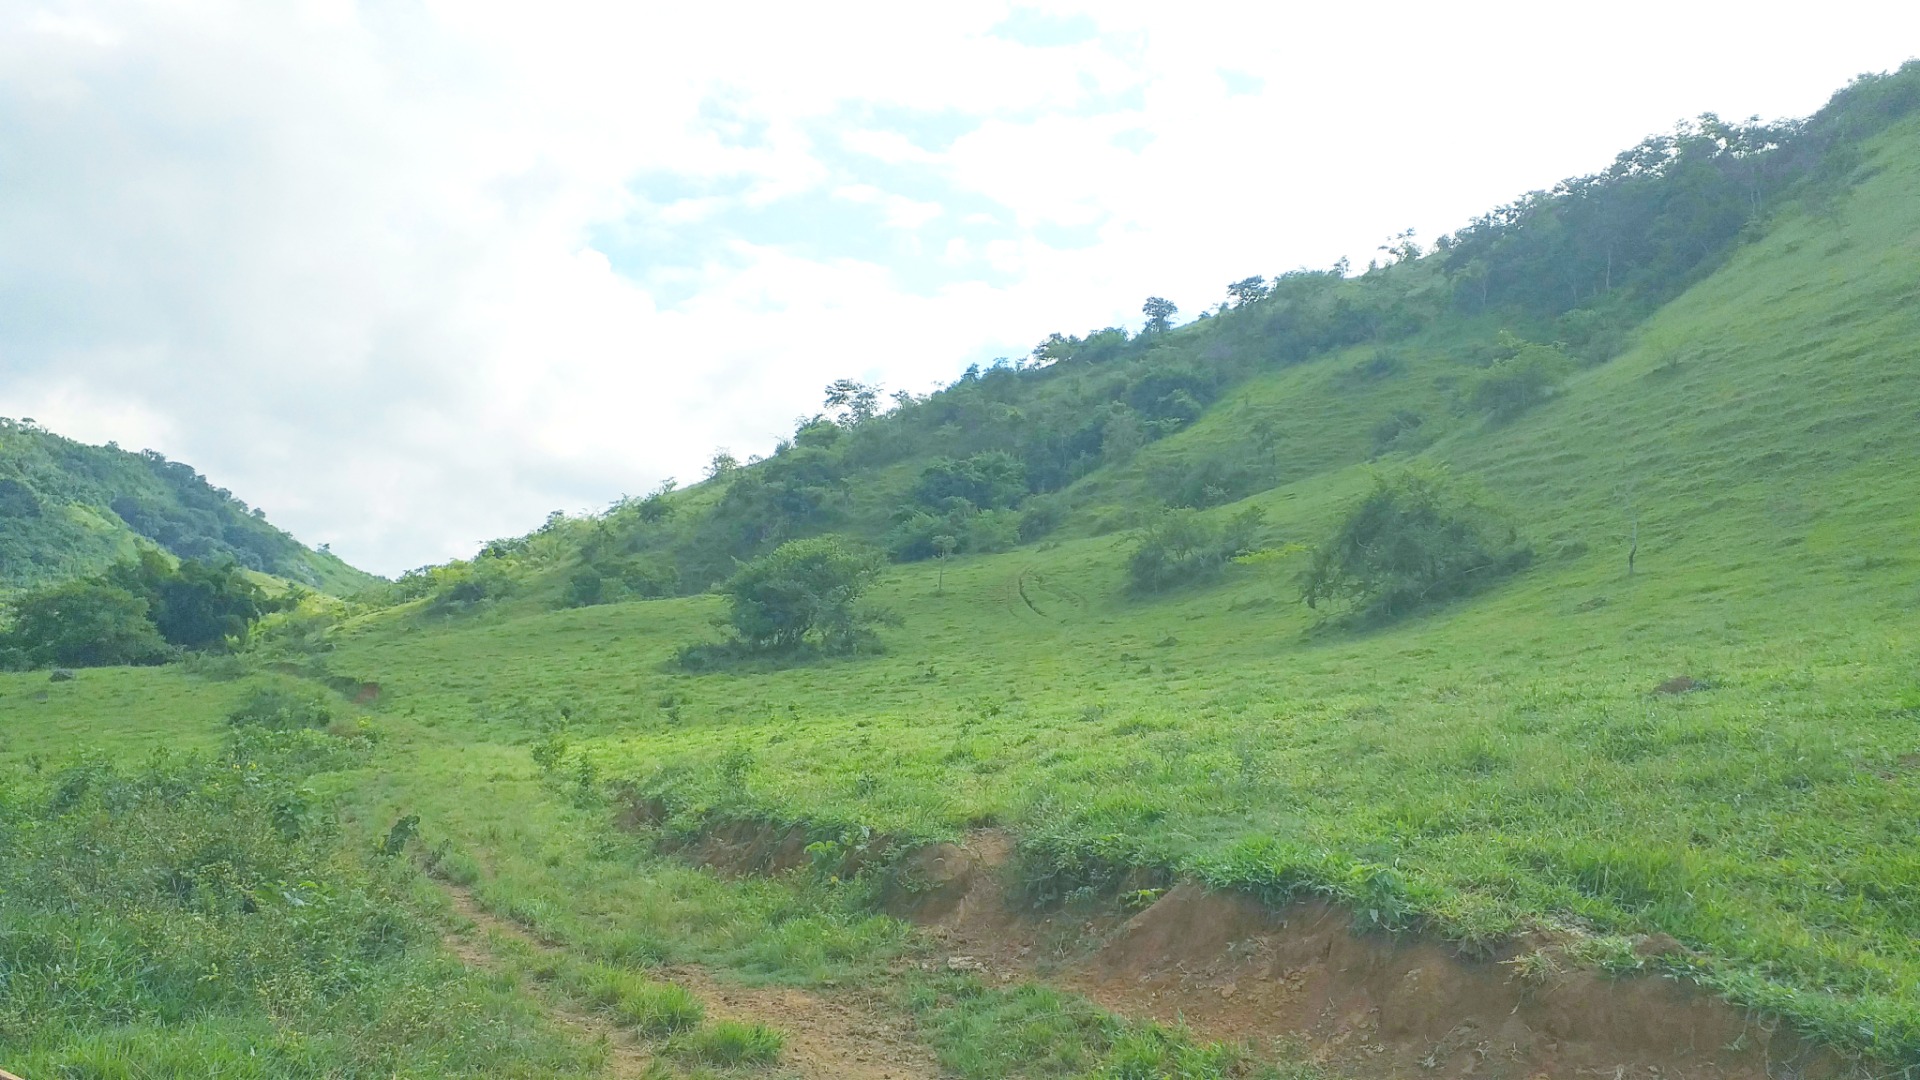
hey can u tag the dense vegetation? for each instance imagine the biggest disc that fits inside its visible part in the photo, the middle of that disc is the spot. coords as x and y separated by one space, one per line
142 611
68 510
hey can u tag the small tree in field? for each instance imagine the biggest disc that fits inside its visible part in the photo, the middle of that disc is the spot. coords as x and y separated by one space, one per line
1418 537
803 590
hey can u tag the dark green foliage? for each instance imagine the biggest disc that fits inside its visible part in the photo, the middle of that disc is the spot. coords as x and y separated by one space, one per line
1524 375
1398 431
989 481
282 708
1209 482
1667 211
917 535
1186 547
1417 538
803 590
612 580
194 605
82 624
68 510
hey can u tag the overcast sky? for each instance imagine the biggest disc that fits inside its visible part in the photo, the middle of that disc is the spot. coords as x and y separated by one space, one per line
409 275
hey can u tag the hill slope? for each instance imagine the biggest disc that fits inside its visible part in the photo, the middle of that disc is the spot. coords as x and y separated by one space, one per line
1716 742
68 509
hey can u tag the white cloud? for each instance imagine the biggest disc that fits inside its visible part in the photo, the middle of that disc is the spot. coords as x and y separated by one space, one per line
352 260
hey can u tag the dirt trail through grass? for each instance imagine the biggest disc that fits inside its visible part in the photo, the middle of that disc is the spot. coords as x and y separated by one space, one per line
827 1037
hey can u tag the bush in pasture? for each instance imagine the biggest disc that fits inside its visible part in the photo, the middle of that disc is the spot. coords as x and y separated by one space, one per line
281 708
1525 376
1186 547
82 624
1400 431
1417 537
802 591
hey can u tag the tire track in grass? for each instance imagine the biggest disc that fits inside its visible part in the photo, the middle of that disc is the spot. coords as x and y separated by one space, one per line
828 1038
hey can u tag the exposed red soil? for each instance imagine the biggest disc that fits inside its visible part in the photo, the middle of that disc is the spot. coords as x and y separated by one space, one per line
1367 1003
1364 1003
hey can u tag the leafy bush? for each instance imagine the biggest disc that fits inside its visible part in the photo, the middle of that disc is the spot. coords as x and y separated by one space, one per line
612 580
281 708
82 624
991 480
1186 547
1528 375
803 590
1399 431
1417 537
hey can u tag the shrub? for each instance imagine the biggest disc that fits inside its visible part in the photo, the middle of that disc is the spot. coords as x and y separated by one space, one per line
803 590
1185 547
992 480
281 708
82 624
1416 538
1399 431
1519 381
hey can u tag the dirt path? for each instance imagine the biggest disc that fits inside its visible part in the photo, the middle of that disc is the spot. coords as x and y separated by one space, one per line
828 1037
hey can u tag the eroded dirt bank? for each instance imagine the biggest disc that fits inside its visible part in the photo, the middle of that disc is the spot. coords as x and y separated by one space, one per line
1367 1004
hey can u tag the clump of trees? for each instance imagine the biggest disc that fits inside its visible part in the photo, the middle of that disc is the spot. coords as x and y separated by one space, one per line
803 595
1185 548
1522 375
1418 537
143 611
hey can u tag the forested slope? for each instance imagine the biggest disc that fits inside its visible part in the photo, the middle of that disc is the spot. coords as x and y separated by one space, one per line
68 509
1285 379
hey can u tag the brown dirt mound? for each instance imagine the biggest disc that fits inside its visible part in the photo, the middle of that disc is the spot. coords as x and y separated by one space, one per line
1231 968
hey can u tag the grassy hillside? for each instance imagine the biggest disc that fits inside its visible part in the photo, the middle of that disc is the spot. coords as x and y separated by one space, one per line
68 509
1718 740
1720 746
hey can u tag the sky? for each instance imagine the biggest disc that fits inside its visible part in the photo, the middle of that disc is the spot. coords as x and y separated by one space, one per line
409 275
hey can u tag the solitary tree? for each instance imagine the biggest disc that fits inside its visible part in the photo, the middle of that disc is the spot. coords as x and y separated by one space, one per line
1160 312
803 589
943 546
856 401
1248 290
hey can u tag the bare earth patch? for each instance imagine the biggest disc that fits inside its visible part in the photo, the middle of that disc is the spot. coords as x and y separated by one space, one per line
1368 1004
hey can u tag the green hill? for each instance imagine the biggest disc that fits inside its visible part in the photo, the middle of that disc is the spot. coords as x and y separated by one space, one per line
1688 384
1739 420
68 509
